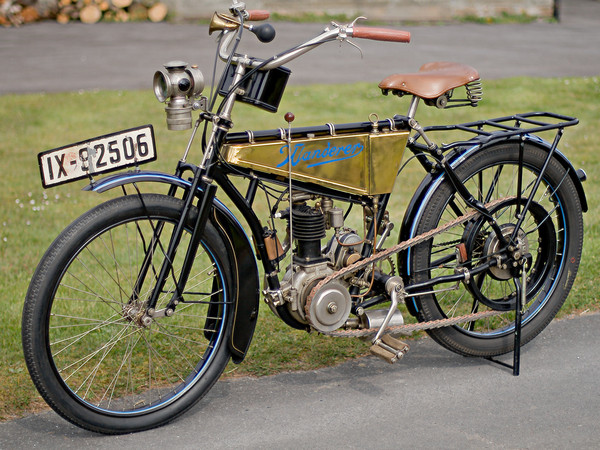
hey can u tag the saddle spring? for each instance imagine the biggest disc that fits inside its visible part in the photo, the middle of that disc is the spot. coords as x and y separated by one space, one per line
474 95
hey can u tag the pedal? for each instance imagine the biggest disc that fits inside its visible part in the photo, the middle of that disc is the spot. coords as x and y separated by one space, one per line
389 349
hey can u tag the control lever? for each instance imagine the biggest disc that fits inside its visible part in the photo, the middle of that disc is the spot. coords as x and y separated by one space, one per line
356 46
343 31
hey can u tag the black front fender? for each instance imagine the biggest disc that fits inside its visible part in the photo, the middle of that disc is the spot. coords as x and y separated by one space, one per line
242 260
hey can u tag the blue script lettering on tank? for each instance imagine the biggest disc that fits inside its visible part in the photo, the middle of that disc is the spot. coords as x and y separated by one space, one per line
318 157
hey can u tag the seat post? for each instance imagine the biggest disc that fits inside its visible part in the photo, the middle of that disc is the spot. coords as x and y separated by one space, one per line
412 122
412 109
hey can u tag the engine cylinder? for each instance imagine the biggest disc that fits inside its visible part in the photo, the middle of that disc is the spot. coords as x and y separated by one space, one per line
308 229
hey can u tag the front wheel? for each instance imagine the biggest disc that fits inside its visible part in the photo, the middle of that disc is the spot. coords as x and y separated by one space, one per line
92 351
551 236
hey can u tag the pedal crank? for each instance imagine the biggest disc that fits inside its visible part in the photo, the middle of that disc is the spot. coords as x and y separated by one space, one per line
389 349
384 345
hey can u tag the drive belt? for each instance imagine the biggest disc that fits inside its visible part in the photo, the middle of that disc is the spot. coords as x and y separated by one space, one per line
376 257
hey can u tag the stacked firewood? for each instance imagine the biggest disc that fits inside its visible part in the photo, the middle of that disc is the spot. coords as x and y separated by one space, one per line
18 12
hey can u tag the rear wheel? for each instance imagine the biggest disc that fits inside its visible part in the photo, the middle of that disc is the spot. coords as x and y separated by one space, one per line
551 235
92 351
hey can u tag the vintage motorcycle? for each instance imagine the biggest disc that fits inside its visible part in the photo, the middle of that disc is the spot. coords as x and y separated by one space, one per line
138 305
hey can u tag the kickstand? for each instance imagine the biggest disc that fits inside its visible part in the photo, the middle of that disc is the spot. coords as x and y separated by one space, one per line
521 290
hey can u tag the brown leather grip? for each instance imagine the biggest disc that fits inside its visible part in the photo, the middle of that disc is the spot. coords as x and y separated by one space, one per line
381 34
256 14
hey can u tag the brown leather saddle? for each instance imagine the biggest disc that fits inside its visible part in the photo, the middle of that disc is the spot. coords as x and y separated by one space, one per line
433 80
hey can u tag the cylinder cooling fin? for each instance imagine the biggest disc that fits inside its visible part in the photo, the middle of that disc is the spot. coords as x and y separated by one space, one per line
308 223
308 228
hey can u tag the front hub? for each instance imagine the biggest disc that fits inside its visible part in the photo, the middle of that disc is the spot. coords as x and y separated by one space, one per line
135 312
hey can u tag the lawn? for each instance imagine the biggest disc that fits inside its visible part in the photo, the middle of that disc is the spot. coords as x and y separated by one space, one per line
30 217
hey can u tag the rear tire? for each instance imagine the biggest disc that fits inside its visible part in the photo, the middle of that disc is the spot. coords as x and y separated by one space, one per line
552 233
89 352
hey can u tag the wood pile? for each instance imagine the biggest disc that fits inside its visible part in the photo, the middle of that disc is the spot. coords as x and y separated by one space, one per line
18 12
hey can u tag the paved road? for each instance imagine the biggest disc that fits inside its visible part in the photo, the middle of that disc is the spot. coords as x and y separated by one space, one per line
52 57
431 399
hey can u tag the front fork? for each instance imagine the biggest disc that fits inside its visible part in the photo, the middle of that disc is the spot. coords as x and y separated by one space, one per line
202 181
166 269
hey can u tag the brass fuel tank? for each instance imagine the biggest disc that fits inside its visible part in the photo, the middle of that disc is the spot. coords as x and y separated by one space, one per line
357 163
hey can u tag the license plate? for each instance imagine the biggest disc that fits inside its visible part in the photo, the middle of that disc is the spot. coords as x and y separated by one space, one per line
97 155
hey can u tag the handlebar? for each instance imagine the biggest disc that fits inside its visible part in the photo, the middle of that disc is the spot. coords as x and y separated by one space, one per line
337 32
256 15
381 34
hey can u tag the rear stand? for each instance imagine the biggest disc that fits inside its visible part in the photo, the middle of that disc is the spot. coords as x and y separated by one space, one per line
521 290
517 351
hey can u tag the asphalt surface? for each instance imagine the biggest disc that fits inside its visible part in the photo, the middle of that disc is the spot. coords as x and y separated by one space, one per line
49 57
431 399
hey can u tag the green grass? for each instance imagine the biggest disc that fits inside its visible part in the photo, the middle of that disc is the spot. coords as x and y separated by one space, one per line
31 217
503 18
311 17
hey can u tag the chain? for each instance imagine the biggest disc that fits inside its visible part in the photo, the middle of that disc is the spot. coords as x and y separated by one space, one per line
411 327
396 249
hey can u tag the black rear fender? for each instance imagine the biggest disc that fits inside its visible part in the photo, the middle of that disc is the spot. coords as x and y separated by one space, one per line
457 157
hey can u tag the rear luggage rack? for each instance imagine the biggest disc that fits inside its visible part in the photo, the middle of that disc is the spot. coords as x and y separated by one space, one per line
509 126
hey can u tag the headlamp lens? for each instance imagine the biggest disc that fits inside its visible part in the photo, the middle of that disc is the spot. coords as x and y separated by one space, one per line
162 86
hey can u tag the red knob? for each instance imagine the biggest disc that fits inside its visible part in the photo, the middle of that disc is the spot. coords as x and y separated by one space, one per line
289 117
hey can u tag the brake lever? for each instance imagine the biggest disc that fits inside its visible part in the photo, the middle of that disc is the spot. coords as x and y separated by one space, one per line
354 45
343 33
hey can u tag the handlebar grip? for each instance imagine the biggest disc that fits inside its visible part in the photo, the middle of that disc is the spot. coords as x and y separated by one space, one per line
381 34
256 14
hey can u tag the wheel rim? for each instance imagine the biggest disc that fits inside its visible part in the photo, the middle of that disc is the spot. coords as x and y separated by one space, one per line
104 352
544 220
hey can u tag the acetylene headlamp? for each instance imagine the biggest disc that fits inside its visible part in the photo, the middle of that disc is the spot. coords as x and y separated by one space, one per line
178 85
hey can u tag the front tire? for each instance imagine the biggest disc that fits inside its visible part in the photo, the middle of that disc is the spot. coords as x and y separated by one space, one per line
91 353
552 234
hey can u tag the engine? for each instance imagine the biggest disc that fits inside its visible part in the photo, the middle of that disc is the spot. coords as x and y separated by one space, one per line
330 307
